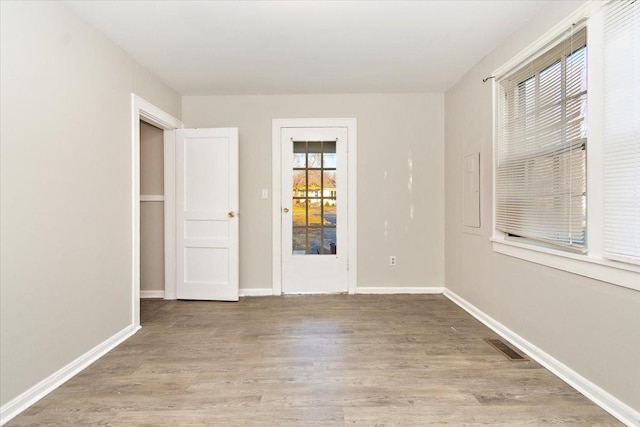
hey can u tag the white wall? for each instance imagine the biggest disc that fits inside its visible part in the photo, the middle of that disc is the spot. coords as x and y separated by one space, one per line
400 178
591 326
65 236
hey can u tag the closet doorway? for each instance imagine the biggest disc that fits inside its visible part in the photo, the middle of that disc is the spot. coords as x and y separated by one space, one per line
152 250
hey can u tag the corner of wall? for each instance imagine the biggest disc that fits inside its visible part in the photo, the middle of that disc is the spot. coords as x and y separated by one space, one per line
150 87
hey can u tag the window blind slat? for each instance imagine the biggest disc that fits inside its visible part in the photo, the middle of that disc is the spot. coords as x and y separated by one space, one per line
621 136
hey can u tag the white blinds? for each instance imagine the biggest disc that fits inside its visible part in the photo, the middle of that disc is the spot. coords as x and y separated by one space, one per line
621 137
541 143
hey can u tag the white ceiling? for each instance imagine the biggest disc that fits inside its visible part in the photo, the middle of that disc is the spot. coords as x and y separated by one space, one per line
284 47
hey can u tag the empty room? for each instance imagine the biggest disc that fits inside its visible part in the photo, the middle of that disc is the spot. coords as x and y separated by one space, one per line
320 213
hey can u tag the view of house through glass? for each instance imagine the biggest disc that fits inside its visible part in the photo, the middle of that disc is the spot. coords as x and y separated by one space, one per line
314 198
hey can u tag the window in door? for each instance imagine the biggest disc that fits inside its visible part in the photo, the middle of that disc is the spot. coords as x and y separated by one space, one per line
314 198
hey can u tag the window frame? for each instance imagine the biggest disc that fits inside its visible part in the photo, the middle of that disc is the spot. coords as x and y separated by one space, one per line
591 264
525 102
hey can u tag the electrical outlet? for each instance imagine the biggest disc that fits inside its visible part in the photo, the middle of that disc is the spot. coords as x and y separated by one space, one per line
392 260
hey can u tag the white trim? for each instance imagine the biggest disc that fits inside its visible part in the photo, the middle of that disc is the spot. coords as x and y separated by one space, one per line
256 292
599 396
390 290
595 119
151 294
617 273
352 193
152 198
313 293
18 404
170 245
352 216
276 206
149 113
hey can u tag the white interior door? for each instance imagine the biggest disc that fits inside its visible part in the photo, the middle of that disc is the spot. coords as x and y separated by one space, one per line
206 214
314 210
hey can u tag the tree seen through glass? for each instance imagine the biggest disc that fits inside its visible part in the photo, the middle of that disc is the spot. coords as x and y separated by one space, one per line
314 192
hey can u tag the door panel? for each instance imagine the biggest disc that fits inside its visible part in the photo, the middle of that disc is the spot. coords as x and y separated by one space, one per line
206 205
207 175
314 214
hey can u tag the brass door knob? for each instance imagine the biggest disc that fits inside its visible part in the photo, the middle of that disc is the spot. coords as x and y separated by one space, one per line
231 214
285 210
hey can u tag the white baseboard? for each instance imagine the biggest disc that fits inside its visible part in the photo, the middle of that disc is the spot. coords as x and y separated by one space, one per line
18 404
256 292
151 294
380 290
599 396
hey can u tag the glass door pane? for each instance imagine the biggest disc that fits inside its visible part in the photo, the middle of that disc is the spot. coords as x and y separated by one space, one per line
314 192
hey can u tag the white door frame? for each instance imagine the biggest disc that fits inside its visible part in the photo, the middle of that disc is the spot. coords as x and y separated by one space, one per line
149 113
352 187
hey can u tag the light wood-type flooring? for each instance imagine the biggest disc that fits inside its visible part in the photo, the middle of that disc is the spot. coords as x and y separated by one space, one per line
334 360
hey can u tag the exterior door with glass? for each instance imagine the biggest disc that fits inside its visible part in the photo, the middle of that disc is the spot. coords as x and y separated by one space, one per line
314 210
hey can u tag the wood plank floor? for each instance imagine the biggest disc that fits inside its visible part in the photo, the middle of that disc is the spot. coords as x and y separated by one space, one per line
336 360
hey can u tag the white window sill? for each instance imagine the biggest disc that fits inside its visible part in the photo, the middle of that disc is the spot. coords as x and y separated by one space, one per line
617 273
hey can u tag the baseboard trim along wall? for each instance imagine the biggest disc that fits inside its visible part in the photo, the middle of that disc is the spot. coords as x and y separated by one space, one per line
599 396
256 292
388 290
372 290
151 294
18 404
